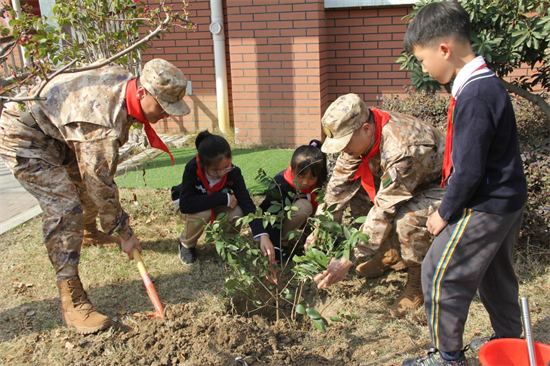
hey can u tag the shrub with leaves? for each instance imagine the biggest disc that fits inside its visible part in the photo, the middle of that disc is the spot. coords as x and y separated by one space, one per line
429 107
247 267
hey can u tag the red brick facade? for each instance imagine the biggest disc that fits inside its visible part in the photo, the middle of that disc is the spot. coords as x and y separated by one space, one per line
286 61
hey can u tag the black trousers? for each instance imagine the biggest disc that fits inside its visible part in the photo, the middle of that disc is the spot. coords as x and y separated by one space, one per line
474 252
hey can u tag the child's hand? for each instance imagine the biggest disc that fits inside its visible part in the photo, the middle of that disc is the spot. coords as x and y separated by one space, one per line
271 275
435 223
267 248
232 201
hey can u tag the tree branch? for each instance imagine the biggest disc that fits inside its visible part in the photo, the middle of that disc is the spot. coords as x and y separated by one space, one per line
533 98
96 65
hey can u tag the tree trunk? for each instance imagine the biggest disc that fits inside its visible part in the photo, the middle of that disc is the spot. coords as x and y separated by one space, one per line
533 98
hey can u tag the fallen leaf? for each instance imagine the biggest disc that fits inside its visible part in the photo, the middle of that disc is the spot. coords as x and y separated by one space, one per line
30 313
9 357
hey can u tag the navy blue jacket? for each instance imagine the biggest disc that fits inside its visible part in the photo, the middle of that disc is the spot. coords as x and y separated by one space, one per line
195 198
487 171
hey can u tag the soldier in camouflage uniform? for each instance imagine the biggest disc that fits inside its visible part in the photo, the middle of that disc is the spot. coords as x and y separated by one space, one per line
393 161
64 151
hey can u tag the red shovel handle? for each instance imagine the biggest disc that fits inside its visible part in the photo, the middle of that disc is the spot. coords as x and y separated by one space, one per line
151 291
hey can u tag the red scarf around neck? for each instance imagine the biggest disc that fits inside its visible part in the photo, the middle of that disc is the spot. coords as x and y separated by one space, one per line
289 177
447 161
217 187
363 171
134 110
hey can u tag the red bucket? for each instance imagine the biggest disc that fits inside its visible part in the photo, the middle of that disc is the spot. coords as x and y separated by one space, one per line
512 352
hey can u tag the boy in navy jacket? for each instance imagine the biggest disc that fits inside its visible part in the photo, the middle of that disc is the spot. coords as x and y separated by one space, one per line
479 219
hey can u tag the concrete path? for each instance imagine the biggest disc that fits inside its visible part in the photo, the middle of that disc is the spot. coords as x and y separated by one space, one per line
18 206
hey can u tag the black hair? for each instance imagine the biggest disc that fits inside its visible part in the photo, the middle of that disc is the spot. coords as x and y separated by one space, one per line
436 22
310 158
211 148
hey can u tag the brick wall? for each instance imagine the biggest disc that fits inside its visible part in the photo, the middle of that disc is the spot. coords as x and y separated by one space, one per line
193 53
287 60
275 70
361 48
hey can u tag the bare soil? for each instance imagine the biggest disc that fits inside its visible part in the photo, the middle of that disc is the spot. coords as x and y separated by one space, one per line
202 326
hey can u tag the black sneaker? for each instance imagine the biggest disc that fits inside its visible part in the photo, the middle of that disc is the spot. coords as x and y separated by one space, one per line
433 358
188 255
477 343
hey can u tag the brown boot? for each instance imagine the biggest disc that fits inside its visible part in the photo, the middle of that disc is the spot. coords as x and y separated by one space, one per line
93 236
412 298
383 260
77 311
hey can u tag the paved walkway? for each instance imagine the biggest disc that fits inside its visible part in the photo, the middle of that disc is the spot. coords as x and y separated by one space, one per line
18 206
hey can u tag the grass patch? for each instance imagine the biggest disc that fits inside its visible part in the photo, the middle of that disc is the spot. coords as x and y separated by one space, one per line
159 173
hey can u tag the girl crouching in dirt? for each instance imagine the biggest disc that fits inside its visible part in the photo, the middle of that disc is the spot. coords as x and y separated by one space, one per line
307 171
212 185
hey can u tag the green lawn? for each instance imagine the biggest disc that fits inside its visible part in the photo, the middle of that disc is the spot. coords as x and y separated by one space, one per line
159 173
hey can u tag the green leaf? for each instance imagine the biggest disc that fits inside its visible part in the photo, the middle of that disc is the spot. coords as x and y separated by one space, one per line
320 325
346 232
219 246
313 314
300 309
335 318
231 283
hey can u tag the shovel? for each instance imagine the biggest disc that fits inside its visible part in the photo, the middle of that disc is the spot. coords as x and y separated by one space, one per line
151 291
527 331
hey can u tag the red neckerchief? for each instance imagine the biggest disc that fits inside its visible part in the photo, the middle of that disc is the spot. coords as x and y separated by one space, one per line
134 110
363 171
289 177
447 161
218 186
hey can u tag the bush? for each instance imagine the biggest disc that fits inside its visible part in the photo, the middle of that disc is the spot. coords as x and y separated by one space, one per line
429 107
533 136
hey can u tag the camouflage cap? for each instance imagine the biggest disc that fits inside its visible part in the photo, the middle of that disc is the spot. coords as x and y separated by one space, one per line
341 119
167 84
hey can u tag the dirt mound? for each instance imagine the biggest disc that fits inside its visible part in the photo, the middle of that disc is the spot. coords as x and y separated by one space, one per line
185 337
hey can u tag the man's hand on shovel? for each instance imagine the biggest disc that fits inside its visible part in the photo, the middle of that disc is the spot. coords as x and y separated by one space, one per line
129 245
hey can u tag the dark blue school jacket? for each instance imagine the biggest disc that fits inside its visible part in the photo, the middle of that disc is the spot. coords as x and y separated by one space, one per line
487 167
195 198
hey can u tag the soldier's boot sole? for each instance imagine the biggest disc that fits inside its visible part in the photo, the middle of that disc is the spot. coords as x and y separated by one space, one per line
380 264
404 304
86 329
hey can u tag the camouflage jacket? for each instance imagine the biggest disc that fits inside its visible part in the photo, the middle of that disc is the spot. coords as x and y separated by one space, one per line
87 112
410 159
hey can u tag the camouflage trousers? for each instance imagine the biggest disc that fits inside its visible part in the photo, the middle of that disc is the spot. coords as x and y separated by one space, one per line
55 181
409 234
